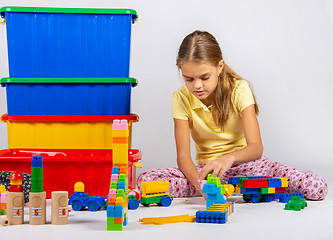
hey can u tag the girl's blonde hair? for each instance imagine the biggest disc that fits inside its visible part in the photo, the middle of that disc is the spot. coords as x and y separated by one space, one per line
201 46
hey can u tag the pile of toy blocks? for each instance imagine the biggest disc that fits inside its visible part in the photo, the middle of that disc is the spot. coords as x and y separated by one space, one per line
118 196
117 201
3 200
262 188
217 207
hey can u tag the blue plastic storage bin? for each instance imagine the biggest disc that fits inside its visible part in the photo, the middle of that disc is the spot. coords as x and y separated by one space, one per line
68 96
68 42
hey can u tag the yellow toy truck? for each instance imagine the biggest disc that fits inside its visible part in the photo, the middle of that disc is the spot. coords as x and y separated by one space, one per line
155 192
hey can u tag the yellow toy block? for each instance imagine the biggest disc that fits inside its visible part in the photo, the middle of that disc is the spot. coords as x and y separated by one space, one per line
120 154
154 187
164 220
271 190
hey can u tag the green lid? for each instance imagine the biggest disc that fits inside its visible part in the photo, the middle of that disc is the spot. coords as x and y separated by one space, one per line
133 81
69 10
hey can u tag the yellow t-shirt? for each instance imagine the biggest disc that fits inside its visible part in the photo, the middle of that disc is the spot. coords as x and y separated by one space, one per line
210 141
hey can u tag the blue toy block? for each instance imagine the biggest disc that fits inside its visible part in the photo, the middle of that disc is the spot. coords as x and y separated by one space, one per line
110 211
125 222
285 197
118 211
234 180
37 161
121 185
115 170
211 217
250 191
274 182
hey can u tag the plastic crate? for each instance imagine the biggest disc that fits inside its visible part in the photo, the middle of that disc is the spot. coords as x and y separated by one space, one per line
63 132
68 42
68 96
62 168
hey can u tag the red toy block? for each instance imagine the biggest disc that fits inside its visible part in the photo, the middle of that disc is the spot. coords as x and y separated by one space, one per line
280 190
118 220
255 183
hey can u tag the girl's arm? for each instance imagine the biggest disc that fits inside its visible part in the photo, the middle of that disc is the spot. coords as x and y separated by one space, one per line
184 161
252 151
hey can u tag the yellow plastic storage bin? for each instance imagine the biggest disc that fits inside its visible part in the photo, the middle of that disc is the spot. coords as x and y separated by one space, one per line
63 132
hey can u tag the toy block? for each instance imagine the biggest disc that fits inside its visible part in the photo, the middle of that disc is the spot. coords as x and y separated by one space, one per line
203 182
114 178
250 191
112 201
263 190
240 182
121 186
274 182
285 197
37 174
255 183
211 217
37 208
237 190
111 226
234 180
280 190
118 220
120 140
123 169
171 219
110 210
271 190
119 201
121 193
115 170
113 185
59 207
112 192
125 223
119 125
276 195
15 207
118 211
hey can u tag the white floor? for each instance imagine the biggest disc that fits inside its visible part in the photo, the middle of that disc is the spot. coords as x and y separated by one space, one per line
249 221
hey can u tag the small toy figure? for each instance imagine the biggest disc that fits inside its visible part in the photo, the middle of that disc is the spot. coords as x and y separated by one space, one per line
16 182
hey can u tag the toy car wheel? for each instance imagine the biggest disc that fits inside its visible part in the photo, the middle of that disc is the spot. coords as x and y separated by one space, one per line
92 206
269 197
255 198
133 204
77 206
166 201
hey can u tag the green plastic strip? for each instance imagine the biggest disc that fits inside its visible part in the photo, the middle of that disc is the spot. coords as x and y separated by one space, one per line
69 10
133 81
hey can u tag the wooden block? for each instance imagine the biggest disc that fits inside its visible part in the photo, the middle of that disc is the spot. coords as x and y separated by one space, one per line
59 208
15 208
37 208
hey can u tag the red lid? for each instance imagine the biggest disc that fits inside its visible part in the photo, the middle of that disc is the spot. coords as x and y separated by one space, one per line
16 176
68 118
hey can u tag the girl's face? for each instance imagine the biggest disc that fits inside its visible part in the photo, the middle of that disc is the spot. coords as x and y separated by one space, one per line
201 79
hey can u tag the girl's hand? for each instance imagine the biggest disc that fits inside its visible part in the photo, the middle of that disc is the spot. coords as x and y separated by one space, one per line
217 167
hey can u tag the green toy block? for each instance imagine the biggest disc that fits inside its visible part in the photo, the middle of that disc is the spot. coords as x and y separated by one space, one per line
296 203
240 183
120 193
263 190
37 179
113 185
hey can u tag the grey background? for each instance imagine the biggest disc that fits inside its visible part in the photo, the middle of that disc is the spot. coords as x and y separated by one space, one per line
284 48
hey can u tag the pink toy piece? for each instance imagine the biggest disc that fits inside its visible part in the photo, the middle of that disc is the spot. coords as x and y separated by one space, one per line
114 177
120 125
112 193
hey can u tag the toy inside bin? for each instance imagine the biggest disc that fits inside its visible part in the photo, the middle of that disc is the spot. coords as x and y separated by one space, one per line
62 168
68 42
63 132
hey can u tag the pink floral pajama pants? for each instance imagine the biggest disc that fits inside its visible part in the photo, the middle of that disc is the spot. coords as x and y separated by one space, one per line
311 185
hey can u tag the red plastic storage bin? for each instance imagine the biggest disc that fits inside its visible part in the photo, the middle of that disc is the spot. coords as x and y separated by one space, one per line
62 168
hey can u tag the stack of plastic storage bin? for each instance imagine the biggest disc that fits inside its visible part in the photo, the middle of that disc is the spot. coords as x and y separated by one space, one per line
69 79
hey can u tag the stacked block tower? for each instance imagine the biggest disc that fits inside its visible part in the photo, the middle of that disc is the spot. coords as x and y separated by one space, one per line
118 195
66 89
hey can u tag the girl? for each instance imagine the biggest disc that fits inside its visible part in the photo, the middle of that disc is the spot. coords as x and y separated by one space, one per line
218 109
